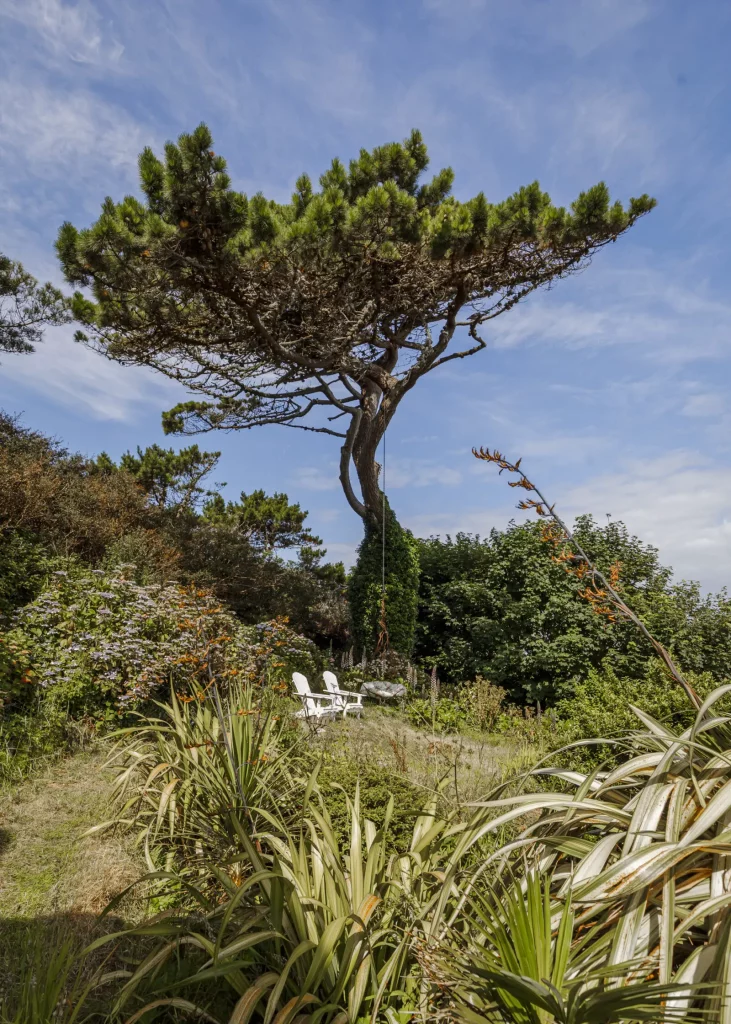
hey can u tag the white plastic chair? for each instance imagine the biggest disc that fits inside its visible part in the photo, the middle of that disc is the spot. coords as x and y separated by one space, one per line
315 706
340 697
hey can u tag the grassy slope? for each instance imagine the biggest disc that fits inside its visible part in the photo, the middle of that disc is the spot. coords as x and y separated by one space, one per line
53 880
464 767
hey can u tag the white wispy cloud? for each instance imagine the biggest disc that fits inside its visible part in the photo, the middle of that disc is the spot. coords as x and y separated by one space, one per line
678 501
401 472
75 378
706 403
670 309
589 25
53 135
315 478
606 128
74 31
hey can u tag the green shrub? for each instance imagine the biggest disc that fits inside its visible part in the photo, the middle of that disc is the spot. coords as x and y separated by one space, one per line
27 743
24 565
445 714
601 706
485 703
185 773
275 651
505 608
339 776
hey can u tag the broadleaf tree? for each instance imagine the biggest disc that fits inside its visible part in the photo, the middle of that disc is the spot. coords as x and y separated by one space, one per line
323 313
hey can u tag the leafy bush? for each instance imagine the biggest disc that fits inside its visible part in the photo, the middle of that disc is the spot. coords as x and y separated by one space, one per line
445 714
601 706
320 930
635 862
485 703
60 501
502 607
28 742
276 651
187 777
24 566
338 779
479 704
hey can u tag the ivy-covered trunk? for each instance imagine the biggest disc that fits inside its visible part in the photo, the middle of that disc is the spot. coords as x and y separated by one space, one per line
401 594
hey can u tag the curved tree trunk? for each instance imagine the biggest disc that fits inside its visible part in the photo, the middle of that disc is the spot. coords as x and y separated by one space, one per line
367 427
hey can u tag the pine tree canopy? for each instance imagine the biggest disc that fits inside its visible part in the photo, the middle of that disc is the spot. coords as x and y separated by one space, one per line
25 307
268 521
324 311
170 479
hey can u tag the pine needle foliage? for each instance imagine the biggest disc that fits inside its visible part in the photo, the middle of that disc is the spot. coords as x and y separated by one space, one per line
26 307
323 310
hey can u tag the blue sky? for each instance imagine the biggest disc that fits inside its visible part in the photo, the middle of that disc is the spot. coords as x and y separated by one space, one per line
614 386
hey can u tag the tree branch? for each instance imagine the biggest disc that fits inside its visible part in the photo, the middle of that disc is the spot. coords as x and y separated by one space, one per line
481 343
346 453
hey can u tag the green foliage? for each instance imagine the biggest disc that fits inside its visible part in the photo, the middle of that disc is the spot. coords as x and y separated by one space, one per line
50 987
479 705
318 929
275 651
187 776
24 565
504 608
25 307
523 966
445 714
28 742
339 777
60 502
640 853
53 503
170 479
402 582
485 703
602 705
266 521
190 207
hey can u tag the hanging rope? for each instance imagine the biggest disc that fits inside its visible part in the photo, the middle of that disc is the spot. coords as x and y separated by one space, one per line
383 522
383 640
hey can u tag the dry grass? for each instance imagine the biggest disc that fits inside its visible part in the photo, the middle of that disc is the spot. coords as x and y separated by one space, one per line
54 881
464 768
47 865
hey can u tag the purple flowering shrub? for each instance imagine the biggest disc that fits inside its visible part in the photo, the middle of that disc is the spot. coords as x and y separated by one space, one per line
96 643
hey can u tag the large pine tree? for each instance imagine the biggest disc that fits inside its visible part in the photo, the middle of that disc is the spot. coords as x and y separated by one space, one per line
322 313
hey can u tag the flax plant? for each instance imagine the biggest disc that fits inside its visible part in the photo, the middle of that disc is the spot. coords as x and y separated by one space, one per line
639 857
315 933
189 778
